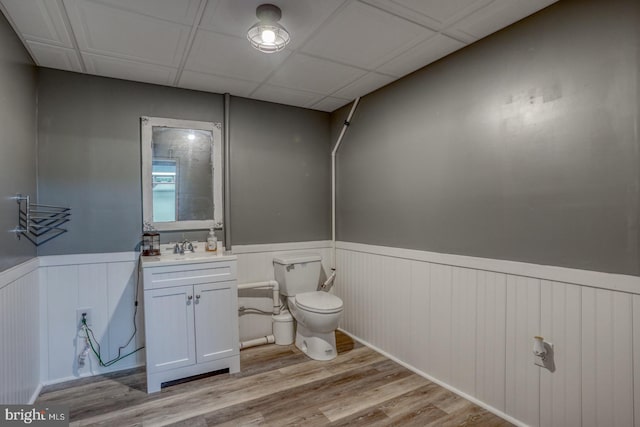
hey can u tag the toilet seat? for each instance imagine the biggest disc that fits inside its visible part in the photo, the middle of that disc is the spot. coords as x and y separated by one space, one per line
319 302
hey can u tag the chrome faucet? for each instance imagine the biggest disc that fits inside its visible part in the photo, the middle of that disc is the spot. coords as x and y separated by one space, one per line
186 246
182 247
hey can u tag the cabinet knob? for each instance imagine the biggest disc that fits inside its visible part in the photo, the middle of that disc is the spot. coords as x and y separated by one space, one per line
190 297
197 296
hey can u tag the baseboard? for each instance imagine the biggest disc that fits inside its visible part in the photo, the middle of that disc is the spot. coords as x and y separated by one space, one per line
437 381
35 395
87 375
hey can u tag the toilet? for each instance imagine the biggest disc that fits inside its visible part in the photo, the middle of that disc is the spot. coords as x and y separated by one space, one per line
317 314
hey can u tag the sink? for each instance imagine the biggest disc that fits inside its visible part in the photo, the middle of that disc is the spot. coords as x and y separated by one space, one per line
189 255
198 255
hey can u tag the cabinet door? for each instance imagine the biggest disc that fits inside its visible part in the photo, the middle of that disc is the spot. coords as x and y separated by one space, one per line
216 315
169 328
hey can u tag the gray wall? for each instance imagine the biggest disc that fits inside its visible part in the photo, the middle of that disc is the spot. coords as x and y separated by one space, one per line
89 153
17 141
523 146
89 159
280 173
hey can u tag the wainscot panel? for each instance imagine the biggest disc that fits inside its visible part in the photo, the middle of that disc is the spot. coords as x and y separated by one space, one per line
19 334
105 283
468 323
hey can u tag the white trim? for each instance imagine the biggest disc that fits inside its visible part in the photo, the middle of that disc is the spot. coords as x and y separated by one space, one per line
77 259
88 374
35 395
146 127
437 381
12 274
595 279
43 294
277 247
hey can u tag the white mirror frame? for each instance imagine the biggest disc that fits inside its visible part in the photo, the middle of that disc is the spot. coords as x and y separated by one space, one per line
146 129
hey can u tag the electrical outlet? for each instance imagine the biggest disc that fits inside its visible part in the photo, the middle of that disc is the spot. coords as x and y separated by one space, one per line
89 313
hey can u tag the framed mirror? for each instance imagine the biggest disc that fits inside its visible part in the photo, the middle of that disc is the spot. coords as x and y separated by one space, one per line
181 173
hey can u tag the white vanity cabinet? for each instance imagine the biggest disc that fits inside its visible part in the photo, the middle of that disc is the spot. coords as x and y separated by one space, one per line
191 319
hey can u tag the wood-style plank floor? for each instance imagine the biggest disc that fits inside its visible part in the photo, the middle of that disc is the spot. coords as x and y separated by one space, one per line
277 386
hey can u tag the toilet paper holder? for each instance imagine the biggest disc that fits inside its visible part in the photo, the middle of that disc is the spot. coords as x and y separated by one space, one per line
539 350
543 353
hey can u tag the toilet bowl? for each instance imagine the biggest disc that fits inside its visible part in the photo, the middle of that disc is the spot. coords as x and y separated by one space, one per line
317 313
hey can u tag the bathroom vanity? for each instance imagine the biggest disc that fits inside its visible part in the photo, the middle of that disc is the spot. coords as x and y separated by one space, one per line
190 313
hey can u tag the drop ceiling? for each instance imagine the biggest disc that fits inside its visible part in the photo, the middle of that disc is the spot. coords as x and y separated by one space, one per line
340 49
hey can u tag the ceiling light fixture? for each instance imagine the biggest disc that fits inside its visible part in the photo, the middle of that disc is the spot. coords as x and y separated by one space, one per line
267 35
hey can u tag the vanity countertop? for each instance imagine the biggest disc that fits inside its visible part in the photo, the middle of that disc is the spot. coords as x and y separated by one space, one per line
199 255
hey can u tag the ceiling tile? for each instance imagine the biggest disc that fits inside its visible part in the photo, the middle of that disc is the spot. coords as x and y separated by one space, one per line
300 18
329 104
364 36
60 58
287 96
530 7
105 30
404 12
497 15
128 70
317 75
217 84
346 56
39 20
424 53
231 57
443 11
364 85
182 12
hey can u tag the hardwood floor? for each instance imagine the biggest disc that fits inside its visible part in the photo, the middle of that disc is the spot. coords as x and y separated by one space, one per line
277 386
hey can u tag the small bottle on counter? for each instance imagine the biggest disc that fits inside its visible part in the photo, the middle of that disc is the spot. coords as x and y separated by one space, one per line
212 241
150 240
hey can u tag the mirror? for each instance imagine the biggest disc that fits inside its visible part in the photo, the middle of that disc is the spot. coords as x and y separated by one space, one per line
181 173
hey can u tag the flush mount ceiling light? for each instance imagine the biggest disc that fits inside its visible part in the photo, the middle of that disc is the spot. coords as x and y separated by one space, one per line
267 35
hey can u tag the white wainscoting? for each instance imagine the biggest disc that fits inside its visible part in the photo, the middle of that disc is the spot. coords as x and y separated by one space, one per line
106 283
39 333
255 264
469 322
19 334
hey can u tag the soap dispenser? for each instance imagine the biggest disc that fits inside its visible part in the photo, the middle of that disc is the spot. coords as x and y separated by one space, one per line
212 242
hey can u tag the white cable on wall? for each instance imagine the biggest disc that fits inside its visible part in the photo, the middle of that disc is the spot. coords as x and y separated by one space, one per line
327 284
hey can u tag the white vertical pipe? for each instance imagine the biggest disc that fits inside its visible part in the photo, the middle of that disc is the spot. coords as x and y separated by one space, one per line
227 173
333 190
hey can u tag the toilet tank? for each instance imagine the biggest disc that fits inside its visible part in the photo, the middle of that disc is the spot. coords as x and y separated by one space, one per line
297 273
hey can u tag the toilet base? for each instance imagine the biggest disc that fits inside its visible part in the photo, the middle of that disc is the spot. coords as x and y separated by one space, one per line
318 346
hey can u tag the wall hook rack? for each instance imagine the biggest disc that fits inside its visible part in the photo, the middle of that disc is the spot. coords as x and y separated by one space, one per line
37 220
